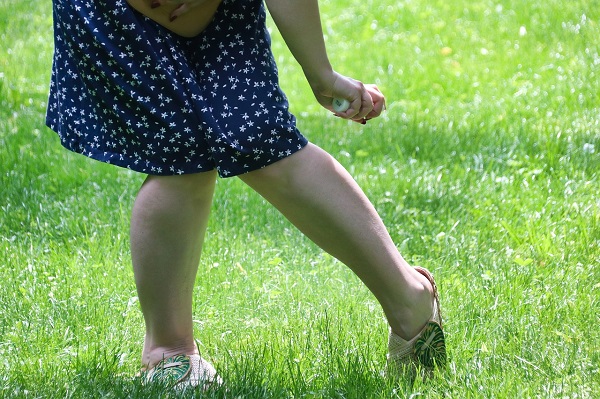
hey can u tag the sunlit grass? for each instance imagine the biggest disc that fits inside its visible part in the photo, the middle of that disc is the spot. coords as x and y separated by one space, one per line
484 168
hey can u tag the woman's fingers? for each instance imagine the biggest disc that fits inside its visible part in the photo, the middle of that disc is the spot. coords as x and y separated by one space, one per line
370 105
179 10
378 102
183 6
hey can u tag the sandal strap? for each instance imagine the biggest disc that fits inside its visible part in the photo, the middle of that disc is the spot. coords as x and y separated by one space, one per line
436 294
182 371
171 370
174 364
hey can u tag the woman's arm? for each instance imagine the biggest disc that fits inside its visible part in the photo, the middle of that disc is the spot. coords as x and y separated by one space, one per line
299 22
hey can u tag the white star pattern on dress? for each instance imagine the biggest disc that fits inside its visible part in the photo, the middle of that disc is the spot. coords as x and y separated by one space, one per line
126 91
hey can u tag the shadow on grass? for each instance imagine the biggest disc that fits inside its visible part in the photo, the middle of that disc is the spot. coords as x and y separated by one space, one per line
101 376
261 371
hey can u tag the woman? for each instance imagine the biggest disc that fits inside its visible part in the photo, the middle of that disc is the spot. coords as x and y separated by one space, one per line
185 90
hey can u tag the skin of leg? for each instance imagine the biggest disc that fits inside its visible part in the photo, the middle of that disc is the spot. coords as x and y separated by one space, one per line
314 192
168 223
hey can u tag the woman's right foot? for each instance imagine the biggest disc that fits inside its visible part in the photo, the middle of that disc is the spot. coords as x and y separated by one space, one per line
178 366
182 371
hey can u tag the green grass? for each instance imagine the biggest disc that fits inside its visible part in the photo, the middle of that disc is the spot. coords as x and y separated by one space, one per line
485 168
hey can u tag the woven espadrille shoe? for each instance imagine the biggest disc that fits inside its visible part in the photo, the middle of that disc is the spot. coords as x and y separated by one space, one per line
182 371
424 352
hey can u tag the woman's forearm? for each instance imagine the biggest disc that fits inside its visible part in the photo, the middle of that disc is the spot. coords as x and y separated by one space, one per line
300 26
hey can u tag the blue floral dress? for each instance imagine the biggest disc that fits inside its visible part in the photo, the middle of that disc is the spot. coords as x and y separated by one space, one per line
127 91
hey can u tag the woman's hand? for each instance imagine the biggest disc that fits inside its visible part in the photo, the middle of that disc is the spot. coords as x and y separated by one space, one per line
183 6
366 100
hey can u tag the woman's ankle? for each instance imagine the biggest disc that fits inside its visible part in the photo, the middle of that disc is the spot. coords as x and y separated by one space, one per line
153 354
409 321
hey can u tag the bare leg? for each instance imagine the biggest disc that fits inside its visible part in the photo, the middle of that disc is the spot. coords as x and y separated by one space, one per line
168 223
319 197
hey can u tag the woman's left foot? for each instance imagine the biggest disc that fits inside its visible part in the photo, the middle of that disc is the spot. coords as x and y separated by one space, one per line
426 351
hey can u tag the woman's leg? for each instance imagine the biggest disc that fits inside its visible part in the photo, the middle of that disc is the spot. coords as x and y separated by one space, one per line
168 223
319 197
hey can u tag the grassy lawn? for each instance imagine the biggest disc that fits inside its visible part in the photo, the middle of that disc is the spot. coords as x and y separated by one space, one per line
485 168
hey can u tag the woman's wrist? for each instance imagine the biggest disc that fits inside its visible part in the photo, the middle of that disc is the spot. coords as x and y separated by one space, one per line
321 79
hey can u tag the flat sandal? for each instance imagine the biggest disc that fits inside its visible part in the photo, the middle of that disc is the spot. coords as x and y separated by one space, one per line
423 353
182 371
